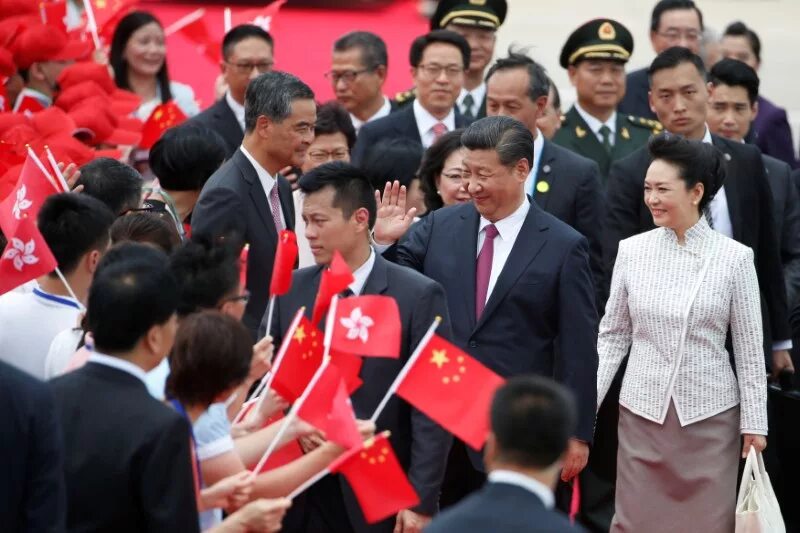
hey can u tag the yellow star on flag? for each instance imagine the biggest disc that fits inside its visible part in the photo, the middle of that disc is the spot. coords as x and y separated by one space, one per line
439 358
299 334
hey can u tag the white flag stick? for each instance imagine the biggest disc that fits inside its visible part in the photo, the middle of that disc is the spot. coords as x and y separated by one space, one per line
305 485
81 308
184 21
406 368
330 323
270 311
87 7
57 170
39 164
226 21
291 416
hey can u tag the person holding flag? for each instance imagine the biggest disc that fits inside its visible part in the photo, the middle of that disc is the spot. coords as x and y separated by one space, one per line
339 209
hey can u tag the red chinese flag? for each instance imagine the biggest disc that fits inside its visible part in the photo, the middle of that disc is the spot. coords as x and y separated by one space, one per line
328 409
26 256
285 257
263 17
243 265
349 366
453 389
163 117
336 278
108 13
26 198
300 361
367 325
376 477
195 29
283 455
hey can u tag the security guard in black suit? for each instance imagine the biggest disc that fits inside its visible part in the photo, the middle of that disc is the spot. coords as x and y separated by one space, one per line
477 21
595 56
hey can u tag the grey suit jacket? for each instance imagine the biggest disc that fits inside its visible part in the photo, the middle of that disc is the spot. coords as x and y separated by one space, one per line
786 208
220 118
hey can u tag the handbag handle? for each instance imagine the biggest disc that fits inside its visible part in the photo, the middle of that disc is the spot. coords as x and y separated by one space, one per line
753 471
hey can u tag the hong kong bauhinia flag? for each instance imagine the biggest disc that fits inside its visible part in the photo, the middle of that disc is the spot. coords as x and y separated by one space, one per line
452 388
32 189
26 257
367 325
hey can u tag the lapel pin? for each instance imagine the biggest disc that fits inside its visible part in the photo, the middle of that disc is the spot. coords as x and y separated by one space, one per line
625 134
580 132
727 157
542 187
546 169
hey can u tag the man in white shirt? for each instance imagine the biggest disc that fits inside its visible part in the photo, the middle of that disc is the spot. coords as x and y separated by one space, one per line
531 420
75 227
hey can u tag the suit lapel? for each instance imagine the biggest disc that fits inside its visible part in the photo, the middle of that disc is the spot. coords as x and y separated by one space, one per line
257 194
227 120
376 281
732 192
545 176
406 124
527 246
466 254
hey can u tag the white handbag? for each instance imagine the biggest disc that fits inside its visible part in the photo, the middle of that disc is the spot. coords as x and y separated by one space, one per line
757 509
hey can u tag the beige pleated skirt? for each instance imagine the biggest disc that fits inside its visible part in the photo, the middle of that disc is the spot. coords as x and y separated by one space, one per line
675 479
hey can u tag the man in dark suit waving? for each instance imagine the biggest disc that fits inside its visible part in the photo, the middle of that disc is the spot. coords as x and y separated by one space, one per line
531 420
247 197
339 210
517 279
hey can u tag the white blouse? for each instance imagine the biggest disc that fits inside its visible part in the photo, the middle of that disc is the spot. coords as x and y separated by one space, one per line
182 94
656 290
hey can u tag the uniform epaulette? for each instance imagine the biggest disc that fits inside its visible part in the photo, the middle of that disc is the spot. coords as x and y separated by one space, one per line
405 97
646 123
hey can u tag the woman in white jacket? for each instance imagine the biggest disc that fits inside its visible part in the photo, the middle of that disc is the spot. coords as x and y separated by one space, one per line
676 292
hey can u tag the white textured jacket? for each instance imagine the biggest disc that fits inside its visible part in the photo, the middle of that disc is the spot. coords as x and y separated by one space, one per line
661 290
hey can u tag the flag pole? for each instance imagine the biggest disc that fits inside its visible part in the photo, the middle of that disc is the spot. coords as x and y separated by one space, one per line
270 311
87 7
329 324
81 308
39 164
57 170
226 21
184 21
406 368
290 417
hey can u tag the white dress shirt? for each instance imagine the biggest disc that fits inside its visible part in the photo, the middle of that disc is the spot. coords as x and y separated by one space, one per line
530 181
507 229
236 107
119 364
267 181
657 293
384 111
361 274
535 486
595 124
426 122
478 94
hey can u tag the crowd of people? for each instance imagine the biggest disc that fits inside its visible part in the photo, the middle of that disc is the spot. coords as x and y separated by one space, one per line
629 265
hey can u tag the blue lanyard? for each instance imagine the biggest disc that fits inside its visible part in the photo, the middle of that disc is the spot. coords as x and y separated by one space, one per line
179 407
57 299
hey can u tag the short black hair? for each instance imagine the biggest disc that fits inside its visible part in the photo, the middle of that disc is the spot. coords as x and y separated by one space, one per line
392 159
206 272
673 57
556 103
186 156
128 298
432 165
739 29
114 183
669 5
144 227
72 226
538 80
241 32
373 48
211 355
734 73
351 185
271 95
129 251
333 118
439 36
696 161
532 419
507 136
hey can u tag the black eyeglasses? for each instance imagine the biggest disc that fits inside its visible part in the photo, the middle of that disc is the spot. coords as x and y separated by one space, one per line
246 68
348 76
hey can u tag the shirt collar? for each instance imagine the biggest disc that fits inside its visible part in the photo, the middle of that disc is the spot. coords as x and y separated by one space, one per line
236 107
477 93
361 274
263 175
707 136
505 226
119 364
538 146
385 109
594 123
535 486
55 299
694 238
425 121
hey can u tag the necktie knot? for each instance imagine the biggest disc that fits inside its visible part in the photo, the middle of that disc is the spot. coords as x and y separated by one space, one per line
467 104
605 132
491 231
438 129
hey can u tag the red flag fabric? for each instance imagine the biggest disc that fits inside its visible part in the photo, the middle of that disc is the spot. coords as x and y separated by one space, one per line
336 278
367 325
54 13
377 479
163 117
300 361
243 265
263 17
283 455
453 389
26 256
27 104
108 13
285 257
349 366
26 198
195 28
328 409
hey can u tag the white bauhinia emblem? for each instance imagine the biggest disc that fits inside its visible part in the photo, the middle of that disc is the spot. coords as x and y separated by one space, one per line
21 203
21 253
262 22
357 325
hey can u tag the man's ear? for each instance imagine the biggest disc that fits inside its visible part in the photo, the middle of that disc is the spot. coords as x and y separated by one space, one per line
650 101
490 451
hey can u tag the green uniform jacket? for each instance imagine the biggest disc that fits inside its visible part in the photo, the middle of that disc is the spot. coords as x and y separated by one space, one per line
631 133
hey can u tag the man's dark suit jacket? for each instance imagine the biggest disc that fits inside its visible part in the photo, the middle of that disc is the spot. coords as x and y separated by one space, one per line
501 508
750 207
128 463
233 201
771 132
540 317
32 490
420 444
635 102
574 195
220 118
400 124
786 205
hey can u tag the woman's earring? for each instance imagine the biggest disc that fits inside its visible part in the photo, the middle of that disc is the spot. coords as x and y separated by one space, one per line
439 192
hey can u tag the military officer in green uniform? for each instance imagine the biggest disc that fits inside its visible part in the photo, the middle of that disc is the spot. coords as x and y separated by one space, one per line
477 21
595 56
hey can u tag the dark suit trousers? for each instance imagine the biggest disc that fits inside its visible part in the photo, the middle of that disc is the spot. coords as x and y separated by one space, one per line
322 511
460 479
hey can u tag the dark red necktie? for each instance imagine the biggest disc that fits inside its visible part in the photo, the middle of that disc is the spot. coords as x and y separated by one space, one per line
483 270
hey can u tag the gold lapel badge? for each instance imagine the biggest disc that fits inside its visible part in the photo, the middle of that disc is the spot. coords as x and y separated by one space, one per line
580 132
625 134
